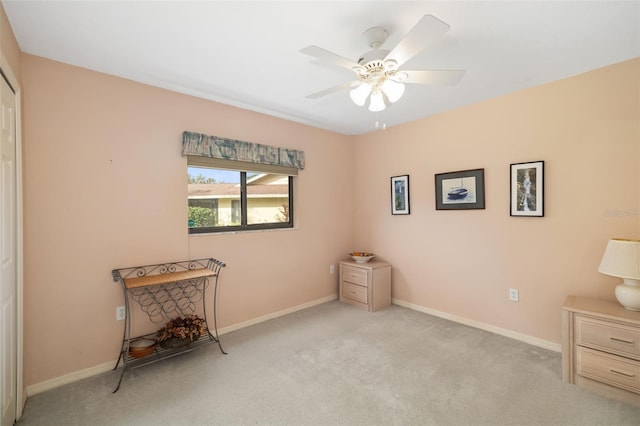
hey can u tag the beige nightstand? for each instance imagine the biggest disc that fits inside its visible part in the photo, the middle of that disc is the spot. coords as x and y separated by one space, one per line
601 347
365 285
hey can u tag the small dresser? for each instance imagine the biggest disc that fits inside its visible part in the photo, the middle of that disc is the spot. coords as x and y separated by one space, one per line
601 347
365 285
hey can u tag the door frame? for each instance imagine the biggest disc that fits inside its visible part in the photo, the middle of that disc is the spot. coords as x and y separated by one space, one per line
21 395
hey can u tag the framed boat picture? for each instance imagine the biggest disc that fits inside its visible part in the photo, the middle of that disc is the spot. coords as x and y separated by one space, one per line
463 190
527 189
400 194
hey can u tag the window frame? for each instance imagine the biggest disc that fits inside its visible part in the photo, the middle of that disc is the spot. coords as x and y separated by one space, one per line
242 168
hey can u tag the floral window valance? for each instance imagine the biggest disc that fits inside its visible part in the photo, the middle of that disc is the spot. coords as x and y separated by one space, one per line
230 149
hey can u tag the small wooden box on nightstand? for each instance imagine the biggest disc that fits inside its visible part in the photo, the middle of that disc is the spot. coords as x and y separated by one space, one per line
601 347
365 285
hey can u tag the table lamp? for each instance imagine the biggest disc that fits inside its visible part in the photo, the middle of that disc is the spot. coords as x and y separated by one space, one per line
622 259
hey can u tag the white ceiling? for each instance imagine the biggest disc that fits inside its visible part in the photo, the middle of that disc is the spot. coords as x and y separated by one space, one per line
247 54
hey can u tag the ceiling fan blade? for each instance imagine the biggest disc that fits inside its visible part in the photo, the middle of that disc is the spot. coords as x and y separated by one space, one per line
325 55
433 77
426 31
333 89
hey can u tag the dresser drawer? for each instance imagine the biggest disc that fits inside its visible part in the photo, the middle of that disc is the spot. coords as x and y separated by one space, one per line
355 292
613 370
354 275
607 336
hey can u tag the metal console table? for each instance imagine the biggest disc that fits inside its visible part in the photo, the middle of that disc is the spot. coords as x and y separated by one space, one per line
163 291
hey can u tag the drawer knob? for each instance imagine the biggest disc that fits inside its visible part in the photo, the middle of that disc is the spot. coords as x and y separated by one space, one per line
622 373
621 340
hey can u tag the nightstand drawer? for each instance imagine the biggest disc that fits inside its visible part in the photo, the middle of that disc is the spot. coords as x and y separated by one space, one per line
608 336
354 275
365 285
355 292
613 370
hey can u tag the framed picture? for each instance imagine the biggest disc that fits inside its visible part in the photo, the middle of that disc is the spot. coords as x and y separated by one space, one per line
460 190
527 189
400 194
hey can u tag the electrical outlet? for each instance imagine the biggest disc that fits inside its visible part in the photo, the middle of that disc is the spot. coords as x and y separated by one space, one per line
332 269
513 294
120 313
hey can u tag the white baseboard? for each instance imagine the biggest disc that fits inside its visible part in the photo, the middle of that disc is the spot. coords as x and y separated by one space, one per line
486 327
70 378
107 366
103 368
273 315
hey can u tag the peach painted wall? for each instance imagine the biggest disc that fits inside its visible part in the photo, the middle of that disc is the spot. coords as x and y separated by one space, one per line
105 187
8 45
586 129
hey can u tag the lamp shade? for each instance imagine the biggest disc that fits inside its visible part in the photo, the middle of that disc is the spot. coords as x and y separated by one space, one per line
360 93
621 259
393 90
377 101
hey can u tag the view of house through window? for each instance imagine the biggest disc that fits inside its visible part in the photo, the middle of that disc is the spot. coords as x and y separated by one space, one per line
217 201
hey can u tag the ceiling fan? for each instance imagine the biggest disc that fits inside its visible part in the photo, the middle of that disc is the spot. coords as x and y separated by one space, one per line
378 71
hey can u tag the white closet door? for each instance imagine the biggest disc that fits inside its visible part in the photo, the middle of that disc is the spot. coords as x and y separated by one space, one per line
8 258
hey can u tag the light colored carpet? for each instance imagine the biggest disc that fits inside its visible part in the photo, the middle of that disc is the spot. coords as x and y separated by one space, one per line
336 365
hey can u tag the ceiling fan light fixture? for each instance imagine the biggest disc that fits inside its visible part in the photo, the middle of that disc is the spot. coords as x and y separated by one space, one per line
380 80
377 101
390 65
392 89
359 94
400 76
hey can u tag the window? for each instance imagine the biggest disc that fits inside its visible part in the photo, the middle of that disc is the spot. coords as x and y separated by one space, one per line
236 185
231 200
